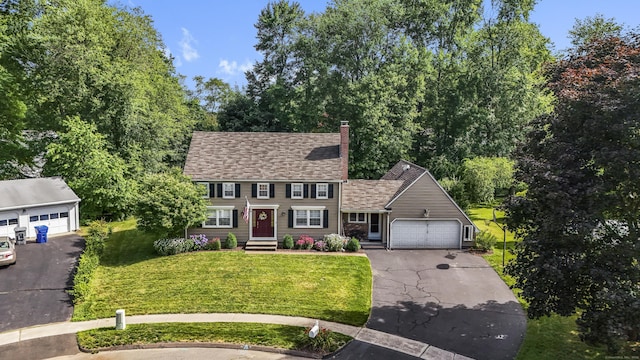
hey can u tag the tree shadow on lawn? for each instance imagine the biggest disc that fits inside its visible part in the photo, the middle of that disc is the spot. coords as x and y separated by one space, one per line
127 247
490 330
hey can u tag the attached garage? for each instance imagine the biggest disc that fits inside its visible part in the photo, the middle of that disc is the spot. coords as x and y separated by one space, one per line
33 202
425 234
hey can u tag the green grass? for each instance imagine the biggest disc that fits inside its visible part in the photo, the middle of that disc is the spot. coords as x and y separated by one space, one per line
277 336
553 337
132 277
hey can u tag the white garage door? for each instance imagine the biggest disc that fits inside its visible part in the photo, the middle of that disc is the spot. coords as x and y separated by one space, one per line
7 224
57 221
425 234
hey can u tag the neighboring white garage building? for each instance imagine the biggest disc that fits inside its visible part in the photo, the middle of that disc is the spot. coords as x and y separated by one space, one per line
405 209
33 202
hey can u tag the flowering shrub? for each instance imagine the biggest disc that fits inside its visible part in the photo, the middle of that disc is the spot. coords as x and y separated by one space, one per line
335 242
199 240
320 245
304 242
173 246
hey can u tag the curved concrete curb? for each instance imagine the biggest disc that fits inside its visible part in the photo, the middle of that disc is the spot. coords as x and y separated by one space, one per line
411 347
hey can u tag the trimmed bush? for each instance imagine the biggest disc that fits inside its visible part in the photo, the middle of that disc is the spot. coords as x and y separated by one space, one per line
287 242
305 242
485 241
213 244
231 241
98 232
353 245
174 246
335 242
87 265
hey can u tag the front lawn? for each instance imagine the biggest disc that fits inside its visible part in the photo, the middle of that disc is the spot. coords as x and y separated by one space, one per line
132 277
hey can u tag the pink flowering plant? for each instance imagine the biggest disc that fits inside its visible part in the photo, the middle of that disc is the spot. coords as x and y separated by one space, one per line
320 245
304 242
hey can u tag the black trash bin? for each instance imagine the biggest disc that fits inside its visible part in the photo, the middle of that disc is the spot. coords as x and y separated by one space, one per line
41 233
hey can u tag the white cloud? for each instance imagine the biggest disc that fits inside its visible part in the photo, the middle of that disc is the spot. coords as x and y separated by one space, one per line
186 43
232 67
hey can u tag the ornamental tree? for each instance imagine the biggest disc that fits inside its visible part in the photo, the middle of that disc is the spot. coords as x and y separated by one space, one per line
168 203
580 219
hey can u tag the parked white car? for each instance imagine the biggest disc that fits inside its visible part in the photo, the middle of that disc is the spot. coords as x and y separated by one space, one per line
7 252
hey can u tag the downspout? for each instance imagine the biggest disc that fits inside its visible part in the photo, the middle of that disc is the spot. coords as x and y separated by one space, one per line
388 243
340 227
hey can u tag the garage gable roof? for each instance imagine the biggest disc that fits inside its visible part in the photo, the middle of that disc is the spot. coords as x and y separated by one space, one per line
25 193
410 173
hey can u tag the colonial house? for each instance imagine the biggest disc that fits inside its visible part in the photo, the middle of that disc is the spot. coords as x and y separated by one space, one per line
261 186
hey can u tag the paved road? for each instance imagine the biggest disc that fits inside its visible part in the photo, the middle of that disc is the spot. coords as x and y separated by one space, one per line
452 300
33 291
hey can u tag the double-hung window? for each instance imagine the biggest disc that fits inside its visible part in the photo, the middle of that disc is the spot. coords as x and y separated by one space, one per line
218 217
228 190
204 185
322 191
310 217
263 190
297 191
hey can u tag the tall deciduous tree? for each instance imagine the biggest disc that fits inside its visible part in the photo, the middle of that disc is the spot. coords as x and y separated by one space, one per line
590 28
80 156
580 219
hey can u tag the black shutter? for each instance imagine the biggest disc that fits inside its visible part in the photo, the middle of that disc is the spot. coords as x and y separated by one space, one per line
330 191
325 218
212 190
254 190
290 218
288 191
235 218
237 190
306 191
313 191
272 190
219 188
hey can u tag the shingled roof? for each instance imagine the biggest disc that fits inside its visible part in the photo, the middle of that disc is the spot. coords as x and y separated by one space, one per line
24 193
263 156
406 171
368 195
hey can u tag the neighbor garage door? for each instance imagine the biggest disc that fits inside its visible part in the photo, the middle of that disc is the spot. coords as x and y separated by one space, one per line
425 234
55 218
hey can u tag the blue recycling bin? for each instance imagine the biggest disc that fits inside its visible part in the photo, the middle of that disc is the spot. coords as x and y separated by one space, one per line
41 233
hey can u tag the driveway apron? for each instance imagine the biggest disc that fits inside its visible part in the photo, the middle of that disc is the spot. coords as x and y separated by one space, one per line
34 290
450 299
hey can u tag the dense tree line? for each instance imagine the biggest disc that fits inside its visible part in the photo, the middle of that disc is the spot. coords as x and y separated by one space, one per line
433 81
89 94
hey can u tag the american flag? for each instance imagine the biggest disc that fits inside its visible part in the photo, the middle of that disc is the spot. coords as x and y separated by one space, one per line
245 213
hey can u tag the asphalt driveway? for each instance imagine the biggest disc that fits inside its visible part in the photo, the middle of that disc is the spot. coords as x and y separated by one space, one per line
450 299
34 290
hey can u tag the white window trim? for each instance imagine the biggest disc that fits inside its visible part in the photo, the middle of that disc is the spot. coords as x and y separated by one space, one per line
470 237
319 207
206 186
301 191
216 208
258 191
233 190
326 196
308 224
357 221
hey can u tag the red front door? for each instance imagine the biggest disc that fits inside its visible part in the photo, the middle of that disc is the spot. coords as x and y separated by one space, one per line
262 223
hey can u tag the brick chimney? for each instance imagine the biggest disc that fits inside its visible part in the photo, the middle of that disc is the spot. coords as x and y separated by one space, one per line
344 149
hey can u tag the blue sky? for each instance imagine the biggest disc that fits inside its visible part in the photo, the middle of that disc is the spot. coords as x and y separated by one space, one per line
216 38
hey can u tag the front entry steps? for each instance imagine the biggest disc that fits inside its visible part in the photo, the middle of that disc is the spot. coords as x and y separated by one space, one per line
372 245
261 245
